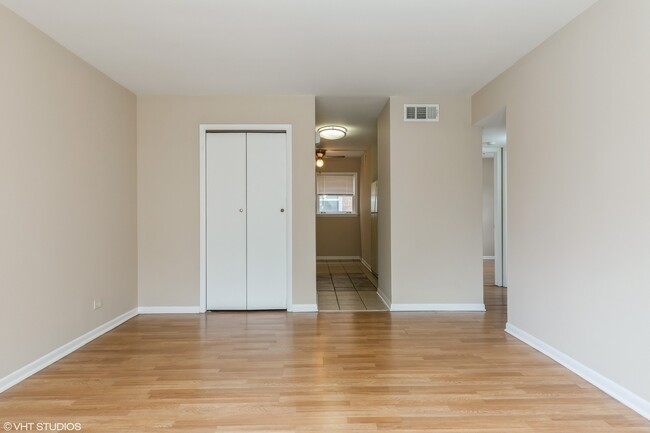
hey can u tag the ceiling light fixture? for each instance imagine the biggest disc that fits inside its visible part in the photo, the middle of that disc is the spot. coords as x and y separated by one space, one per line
332 132
320 153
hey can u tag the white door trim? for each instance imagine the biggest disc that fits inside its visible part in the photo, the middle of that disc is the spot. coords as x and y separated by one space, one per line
204 128
504 215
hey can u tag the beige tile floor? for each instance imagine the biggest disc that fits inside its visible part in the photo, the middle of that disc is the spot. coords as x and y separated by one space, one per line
346 285
350 286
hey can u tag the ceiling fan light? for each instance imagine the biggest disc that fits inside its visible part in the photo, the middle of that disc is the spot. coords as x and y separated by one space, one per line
320 162
332 132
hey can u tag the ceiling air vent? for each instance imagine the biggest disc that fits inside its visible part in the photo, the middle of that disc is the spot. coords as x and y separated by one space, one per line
421 112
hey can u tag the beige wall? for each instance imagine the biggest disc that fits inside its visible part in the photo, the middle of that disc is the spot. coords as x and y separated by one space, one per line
168 189
384 225
67 188
578 190
488 207
340 235
435 183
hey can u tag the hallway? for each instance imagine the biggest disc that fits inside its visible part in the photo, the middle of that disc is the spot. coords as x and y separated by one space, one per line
346 285
494 297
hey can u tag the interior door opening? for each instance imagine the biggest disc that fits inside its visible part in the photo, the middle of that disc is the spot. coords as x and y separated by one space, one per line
495 210
345 222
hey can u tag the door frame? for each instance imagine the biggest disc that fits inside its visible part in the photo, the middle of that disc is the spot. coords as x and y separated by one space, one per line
498 155
206 128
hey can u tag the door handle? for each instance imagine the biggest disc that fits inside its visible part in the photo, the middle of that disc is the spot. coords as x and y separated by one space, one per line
282 210
241 210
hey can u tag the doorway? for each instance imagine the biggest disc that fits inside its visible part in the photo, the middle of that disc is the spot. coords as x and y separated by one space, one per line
495 233
494 290
345 280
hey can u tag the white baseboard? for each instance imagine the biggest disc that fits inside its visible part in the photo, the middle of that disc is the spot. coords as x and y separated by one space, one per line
338 258
366 264
384 299
46 360
625 396
169 310
437 307
489 258
304 308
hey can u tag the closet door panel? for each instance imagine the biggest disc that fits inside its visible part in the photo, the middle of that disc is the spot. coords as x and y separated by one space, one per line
267 221
226 221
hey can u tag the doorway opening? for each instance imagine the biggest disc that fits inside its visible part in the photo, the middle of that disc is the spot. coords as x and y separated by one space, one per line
346 205
345 280
494 211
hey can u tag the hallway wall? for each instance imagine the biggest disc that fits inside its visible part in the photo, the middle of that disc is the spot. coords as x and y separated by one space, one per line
338 236
435 207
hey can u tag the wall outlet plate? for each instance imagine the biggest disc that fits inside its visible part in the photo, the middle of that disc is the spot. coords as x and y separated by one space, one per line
97 304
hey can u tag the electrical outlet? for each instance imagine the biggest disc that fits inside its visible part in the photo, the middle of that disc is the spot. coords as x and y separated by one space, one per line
97 304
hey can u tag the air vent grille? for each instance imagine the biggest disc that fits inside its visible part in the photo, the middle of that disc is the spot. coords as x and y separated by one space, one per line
421 112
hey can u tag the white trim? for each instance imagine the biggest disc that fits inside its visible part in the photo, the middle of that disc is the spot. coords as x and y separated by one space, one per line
304 308
366 264
488 257
618 392
50 358
496 154
338 257
170 310
203 129
337 215
498 218
355 210
384 299
504 215
438 307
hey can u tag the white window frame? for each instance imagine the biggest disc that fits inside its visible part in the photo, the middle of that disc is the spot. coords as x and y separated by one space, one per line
355 196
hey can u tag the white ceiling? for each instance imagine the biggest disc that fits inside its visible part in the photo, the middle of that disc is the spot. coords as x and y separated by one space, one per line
328 48
358 114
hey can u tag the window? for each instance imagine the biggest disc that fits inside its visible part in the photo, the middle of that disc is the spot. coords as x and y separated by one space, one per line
336 193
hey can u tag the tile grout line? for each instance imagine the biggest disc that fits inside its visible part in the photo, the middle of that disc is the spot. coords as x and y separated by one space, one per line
336 295
357 291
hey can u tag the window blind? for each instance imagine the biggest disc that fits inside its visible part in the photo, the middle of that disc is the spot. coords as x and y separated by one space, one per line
335 184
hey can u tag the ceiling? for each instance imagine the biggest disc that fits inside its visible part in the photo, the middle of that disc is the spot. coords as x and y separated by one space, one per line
351 54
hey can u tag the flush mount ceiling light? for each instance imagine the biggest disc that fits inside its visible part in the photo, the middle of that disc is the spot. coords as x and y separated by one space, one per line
320 153
332 132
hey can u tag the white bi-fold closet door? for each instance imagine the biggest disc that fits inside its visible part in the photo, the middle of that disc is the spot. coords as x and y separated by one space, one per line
246 221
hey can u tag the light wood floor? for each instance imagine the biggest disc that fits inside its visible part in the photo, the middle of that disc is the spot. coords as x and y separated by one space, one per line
326 372
494 297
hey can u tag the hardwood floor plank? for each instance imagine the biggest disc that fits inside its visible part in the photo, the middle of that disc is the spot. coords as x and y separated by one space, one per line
326 372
